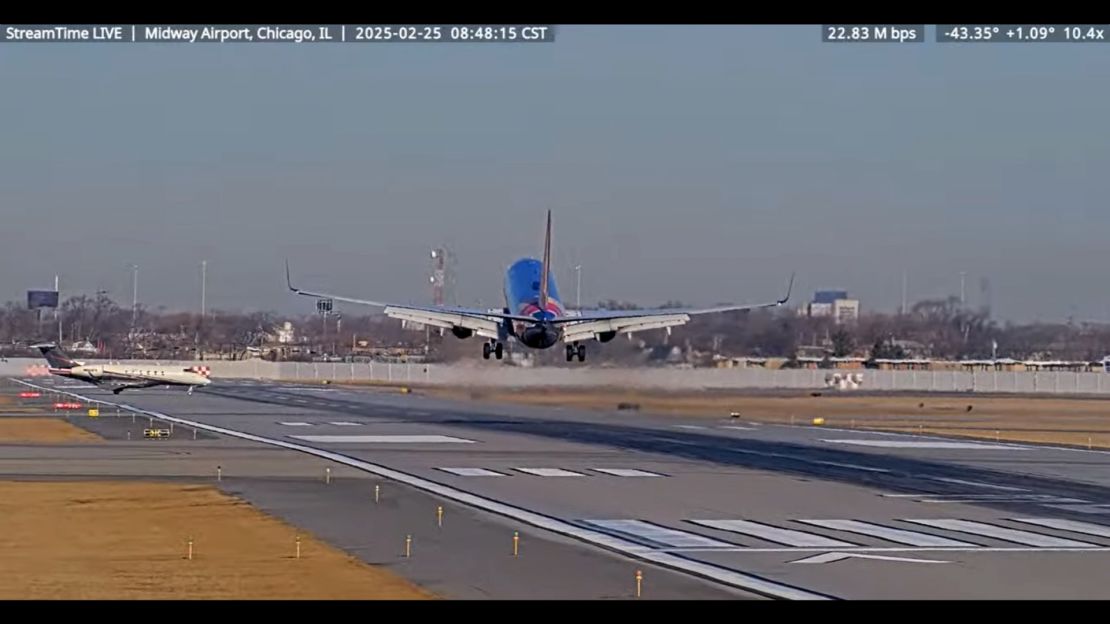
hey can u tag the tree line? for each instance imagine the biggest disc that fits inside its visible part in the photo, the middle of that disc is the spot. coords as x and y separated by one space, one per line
934 328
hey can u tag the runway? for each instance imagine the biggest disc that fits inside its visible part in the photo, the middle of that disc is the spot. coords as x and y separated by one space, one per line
790 512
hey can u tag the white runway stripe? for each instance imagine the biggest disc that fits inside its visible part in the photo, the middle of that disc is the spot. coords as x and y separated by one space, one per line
929 444
367 439
690 427
789 537
344 423
663 536
472 472
551 472
890 534
989 486
627 472
1087 509
295 424
1002 533
1088 528
853 466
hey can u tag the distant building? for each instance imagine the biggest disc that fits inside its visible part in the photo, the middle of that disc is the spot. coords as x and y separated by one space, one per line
285 333
829 296
845 310
834 304
820 308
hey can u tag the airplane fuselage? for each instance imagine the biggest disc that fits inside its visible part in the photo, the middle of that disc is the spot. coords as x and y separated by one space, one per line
522 296
164 374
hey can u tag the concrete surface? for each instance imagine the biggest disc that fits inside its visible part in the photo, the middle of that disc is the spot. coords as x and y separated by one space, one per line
770 487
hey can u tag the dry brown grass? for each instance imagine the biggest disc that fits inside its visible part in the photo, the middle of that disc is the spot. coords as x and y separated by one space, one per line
120 540
42 430
1074 421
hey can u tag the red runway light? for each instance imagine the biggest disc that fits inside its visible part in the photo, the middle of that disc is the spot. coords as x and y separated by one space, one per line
29 395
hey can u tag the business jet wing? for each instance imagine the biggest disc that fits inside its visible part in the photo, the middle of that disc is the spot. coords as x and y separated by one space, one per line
481 322
118 387
592 324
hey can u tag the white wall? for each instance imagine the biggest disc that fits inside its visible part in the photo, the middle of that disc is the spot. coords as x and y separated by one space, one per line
493 374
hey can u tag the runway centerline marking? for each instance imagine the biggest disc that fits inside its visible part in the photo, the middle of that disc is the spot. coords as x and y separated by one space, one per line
296 424
938 444
854 466
383 439
978 484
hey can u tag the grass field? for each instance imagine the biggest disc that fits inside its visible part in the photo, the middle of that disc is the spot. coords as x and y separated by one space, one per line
23 430
1056 420
123 540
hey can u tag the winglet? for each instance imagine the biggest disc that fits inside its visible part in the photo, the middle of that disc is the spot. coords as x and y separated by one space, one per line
789 287
546 264
288 280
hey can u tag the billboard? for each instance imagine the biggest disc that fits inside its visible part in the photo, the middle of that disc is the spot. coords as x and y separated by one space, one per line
42 299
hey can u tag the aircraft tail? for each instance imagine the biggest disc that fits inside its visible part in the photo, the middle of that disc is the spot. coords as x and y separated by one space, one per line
55 356
546 267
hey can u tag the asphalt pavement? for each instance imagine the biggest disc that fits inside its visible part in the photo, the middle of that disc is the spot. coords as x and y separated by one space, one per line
722 507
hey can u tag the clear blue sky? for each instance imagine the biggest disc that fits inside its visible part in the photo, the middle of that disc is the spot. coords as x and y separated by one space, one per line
695 163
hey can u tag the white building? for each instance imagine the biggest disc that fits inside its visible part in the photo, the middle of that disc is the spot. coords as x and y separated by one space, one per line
285 333
845 310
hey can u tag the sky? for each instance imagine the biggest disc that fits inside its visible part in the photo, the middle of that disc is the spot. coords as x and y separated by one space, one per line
694 163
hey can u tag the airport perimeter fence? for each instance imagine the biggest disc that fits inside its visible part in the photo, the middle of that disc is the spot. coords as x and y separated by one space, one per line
500 375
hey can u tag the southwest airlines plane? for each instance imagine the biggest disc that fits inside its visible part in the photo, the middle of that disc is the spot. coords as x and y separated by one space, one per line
534 314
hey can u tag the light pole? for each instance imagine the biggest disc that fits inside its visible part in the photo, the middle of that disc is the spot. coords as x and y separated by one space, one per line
203 293
203 285
134 293
578 289
134 309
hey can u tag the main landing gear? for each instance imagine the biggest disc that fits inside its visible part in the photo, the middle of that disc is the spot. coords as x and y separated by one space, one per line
495 347
576 349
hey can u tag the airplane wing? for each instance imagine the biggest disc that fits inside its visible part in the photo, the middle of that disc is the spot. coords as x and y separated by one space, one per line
592 324
481 322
